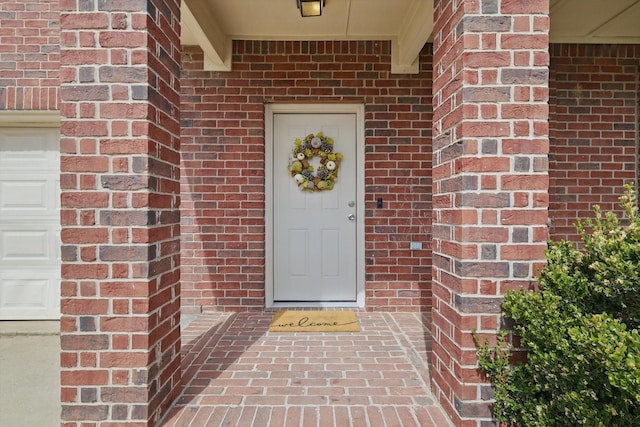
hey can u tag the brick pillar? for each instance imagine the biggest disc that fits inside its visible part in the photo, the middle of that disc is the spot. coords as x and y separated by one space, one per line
120 326
490 180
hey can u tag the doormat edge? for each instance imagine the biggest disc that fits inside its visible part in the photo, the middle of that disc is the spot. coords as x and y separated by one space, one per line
314 321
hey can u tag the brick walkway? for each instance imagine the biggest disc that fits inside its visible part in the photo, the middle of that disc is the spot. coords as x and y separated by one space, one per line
239 374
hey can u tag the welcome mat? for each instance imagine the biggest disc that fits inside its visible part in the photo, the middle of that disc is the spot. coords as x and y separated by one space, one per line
314 321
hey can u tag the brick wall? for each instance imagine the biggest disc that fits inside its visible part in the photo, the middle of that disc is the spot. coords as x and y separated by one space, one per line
223 206
490 148
593 128
119 311
120 305
29 55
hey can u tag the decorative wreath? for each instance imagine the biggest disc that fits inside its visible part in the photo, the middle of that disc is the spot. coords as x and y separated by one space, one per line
305 150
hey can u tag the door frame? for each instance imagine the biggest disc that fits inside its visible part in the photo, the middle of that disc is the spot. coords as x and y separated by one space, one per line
270 111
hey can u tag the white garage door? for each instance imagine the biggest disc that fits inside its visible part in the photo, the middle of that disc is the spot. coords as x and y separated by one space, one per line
29 223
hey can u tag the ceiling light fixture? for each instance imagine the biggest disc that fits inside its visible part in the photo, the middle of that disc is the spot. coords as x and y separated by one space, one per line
310 7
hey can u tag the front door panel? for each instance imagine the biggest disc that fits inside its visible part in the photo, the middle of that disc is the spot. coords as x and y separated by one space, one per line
314 232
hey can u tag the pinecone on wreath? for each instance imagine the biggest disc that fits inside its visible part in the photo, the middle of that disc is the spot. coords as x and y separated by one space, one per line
323 173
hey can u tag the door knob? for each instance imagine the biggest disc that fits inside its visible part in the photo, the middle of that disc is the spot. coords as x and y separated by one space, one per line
351 217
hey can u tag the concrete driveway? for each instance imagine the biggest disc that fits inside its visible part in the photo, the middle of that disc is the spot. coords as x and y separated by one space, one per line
29 374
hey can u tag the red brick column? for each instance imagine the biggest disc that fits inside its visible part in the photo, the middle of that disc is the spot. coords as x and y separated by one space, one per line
490 180
120 326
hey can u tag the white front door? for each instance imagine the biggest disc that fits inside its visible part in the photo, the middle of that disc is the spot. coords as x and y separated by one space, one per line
315 234
29 223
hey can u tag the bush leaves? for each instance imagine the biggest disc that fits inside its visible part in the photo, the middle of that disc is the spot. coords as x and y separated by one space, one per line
580 332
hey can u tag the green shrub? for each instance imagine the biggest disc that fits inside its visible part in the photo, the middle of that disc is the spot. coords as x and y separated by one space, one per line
580 332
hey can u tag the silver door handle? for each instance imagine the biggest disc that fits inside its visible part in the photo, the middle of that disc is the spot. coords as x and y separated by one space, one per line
351 217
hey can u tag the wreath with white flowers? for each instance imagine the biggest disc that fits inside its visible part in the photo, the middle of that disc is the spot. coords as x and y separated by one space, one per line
303 172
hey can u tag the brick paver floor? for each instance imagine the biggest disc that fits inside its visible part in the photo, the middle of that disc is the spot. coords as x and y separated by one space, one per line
236 373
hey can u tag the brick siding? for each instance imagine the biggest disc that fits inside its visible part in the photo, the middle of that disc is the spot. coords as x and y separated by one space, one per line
120 157
490 181
120 298
223 207
594 130
29 55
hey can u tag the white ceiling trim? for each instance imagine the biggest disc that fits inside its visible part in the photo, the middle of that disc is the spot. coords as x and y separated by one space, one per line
199 27
418 27
595 21
29 118
407 24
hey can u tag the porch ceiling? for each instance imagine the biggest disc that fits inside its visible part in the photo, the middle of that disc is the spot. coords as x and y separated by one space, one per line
408 24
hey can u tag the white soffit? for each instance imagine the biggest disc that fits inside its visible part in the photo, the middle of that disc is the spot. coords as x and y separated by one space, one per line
412 36
210 24
200 28
595 21
408 24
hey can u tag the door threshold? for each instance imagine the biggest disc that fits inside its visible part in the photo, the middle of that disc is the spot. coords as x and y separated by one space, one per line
315 304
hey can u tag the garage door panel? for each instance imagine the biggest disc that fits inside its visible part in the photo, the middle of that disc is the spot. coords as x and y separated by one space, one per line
29 149
29 223
27 196
28 295
24 247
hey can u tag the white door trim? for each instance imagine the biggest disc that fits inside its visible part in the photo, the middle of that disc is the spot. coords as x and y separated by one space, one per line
22 118
270 111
